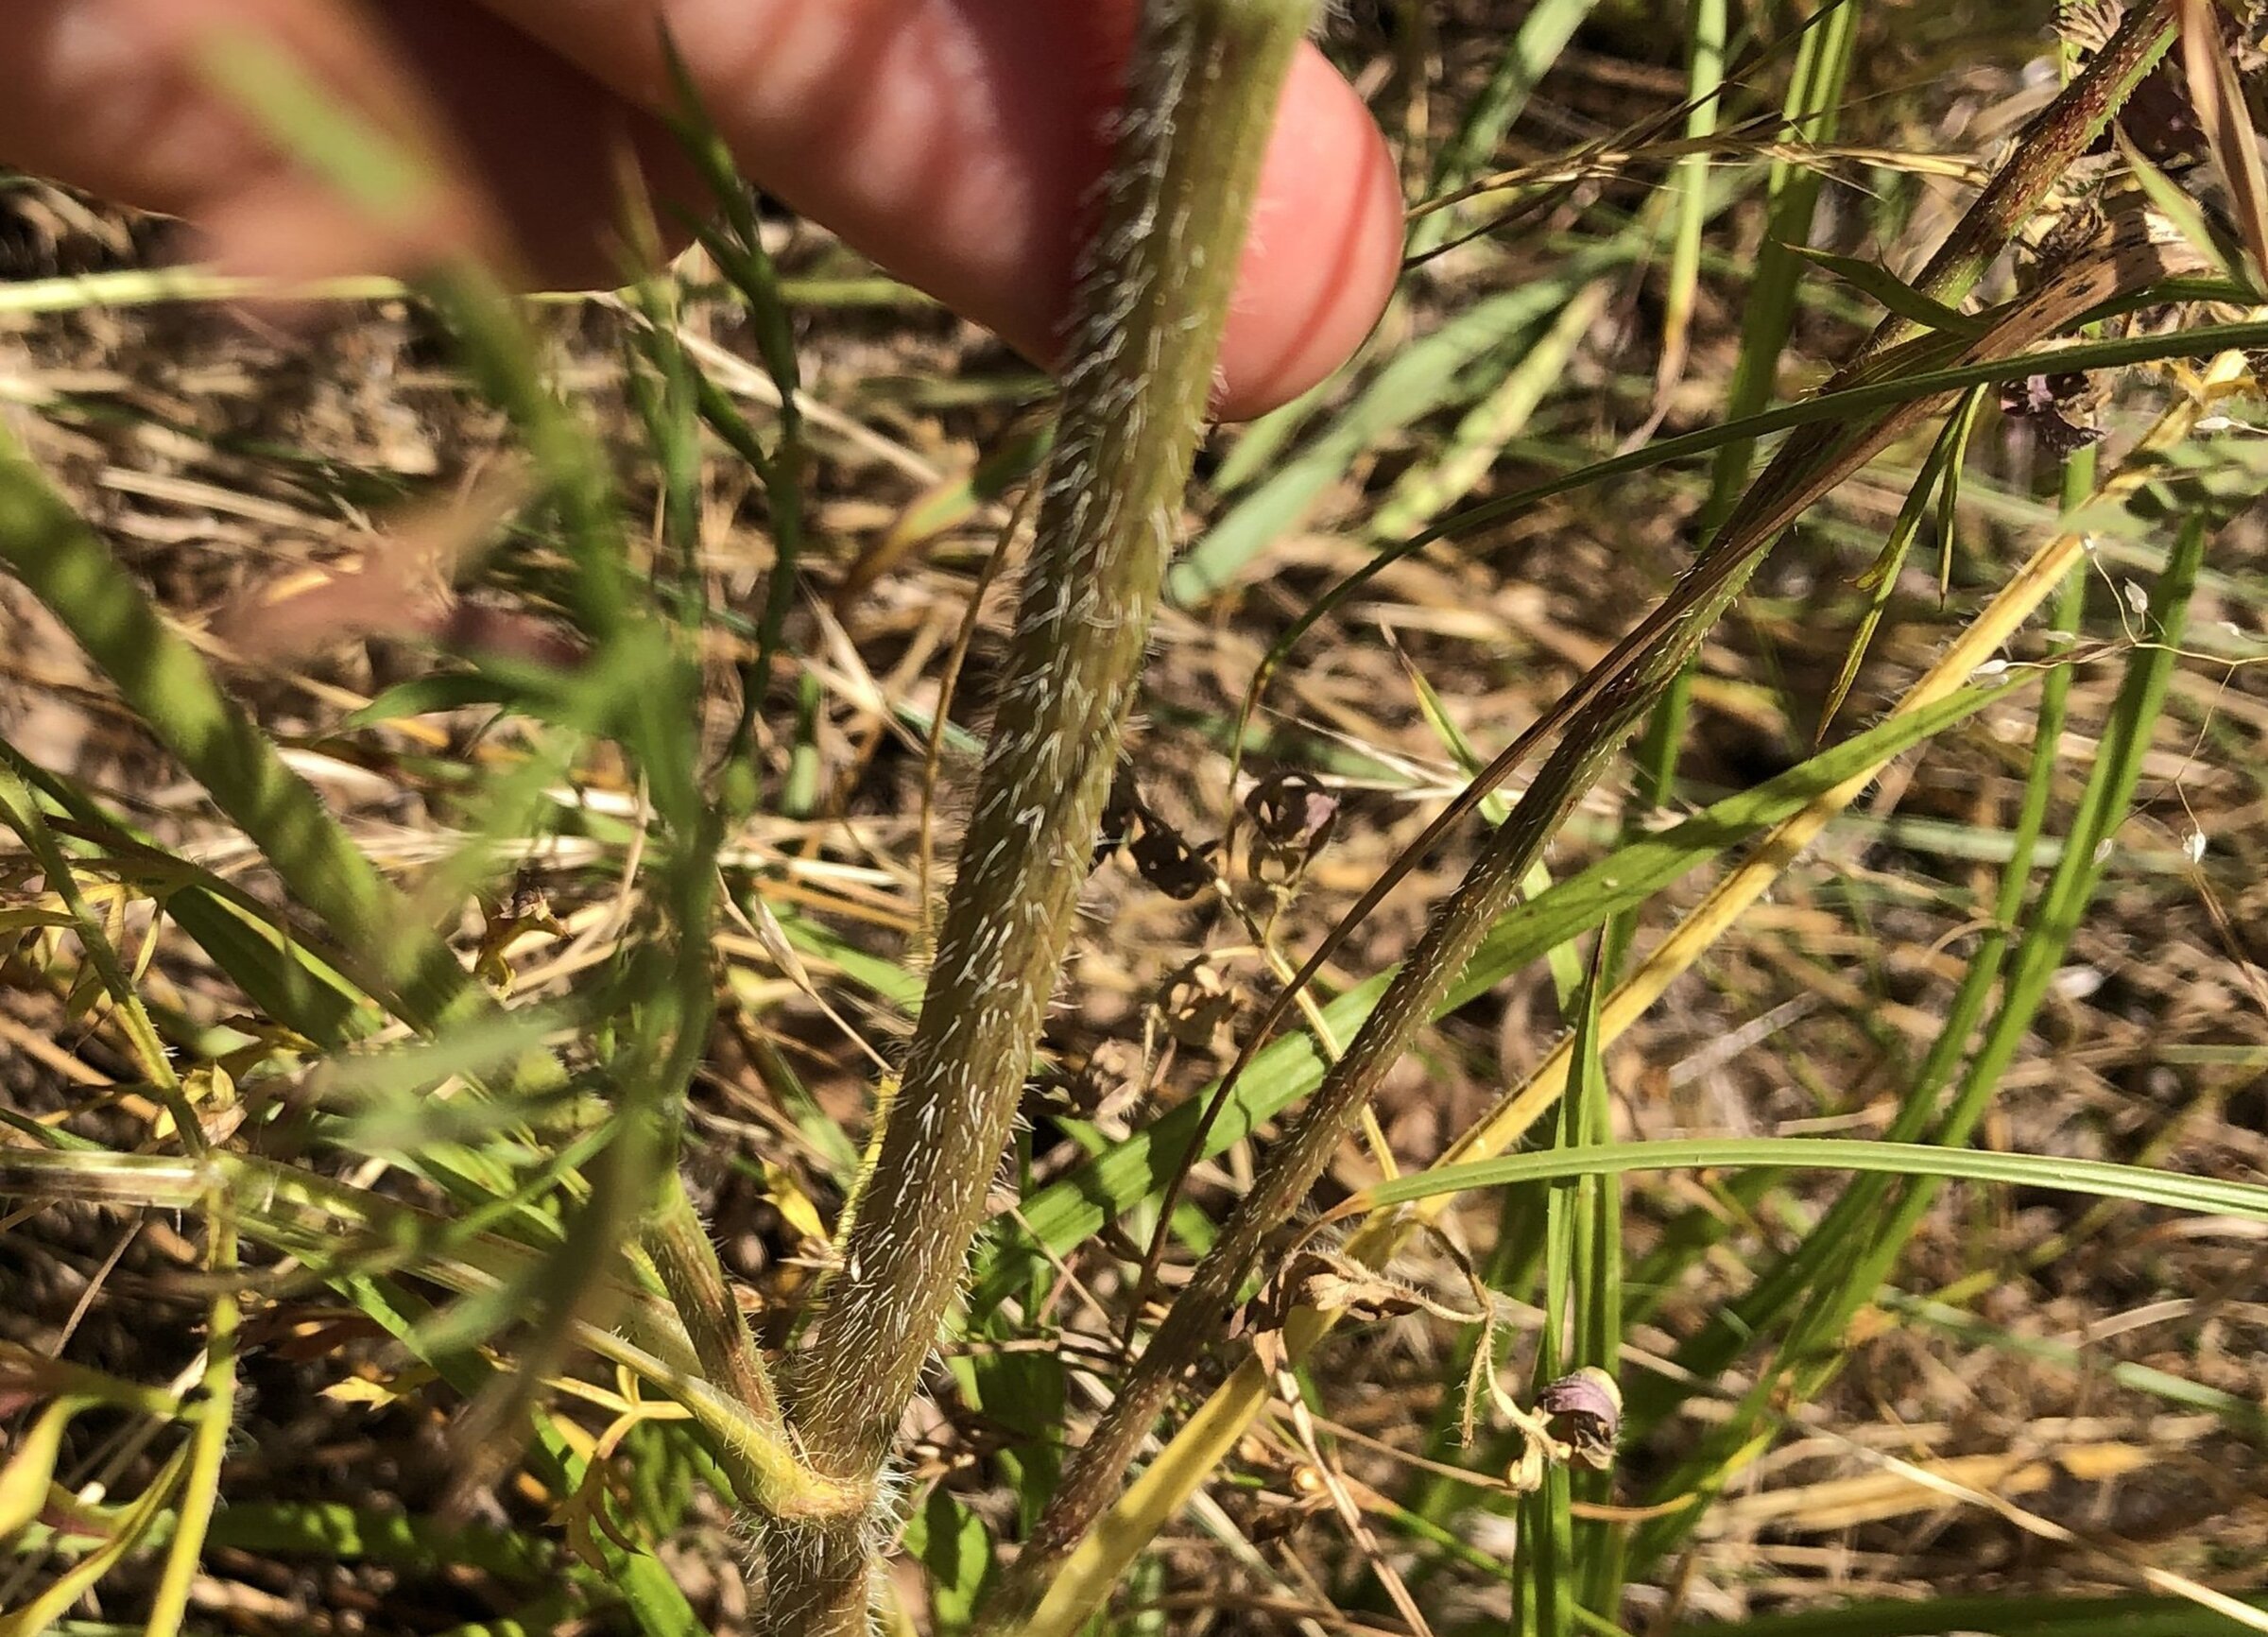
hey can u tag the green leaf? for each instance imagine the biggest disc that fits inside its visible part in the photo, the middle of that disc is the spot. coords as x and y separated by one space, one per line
1894 293
953 1549
432 695
2140 1184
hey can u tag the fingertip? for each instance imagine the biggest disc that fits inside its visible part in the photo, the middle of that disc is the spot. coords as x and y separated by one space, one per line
1324 248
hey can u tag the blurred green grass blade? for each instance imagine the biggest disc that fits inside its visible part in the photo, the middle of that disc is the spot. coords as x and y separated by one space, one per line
2243 1415
751 270
1472 449
799 796
432 695
658 379
1810 112
1070 1209
334 1531
168 684
1541 36
998 469
640 683
723 416
876 975
1689 185
1422 378
378 178
1260 445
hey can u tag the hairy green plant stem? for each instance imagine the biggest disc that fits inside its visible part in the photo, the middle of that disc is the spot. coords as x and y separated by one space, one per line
1204 83
1596 714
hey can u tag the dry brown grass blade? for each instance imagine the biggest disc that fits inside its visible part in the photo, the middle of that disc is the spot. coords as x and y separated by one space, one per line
1843 1503
398 585
2219 103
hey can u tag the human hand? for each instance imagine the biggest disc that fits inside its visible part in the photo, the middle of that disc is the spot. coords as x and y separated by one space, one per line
952 140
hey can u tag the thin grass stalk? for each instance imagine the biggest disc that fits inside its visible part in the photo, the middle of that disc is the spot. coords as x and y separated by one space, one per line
1853 1216
1688 187
1596 714
1812 109
1543 35
1192 1456
1809 1358
216 1414
1597 1549
1205 79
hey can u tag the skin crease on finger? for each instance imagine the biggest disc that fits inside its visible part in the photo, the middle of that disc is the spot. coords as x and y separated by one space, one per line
955 141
